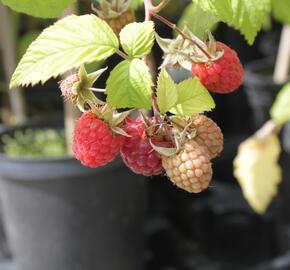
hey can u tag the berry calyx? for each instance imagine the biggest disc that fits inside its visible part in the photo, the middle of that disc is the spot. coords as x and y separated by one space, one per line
223 75
137 152
116 13
95 144
190 169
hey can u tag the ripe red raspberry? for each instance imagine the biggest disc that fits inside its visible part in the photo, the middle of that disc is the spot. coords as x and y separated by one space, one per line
137 152
223 75
190 169
208 134
94 144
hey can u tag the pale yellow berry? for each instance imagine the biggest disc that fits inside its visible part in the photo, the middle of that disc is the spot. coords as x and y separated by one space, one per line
191 174
208 134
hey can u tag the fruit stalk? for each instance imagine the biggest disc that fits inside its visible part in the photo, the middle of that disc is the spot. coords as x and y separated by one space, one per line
148 7
180 32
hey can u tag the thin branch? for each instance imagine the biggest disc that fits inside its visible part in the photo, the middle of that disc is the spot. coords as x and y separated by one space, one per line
148 7
161 6
180 32
123 55
267 129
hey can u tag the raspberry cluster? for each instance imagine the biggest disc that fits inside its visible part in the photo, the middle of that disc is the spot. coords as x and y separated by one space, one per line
191 169
95 144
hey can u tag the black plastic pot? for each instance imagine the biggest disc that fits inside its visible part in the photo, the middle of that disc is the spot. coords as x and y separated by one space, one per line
260 89
60 215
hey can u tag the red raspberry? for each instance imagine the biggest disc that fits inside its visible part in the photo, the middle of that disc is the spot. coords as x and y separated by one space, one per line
222 76
94 145
137 152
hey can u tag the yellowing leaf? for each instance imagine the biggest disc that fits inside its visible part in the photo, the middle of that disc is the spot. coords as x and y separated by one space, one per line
257 170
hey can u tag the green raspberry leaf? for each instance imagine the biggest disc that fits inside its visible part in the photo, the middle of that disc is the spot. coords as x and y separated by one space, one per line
247 16
193 98
69 43
167 95
130 85
39 8
281 10
280 111
198 20
137 39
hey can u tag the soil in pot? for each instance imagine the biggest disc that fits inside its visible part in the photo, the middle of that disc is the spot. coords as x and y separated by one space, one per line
60 215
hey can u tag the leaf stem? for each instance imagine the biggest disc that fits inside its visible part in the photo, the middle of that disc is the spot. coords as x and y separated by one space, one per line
267 129
122 54
180 32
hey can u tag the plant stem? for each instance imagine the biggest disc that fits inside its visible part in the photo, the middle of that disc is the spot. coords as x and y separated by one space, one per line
180 32
148 7
267 129
161 6
71 113
8 44
281 72
123 55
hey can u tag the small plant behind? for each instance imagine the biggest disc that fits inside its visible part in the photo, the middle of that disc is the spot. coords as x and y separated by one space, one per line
178 139
35 143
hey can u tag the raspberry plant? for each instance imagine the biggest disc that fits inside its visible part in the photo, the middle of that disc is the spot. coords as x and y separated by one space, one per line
178 138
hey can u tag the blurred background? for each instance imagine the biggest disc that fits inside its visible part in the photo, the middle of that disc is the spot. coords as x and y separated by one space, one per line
215 230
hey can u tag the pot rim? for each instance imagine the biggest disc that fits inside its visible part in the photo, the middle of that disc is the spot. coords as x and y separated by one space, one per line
49 162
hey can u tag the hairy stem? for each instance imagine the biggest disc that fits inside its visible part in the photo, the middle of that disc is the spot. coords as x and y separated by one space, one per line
180 32
156 111
148 7
123 55
161 6
267 129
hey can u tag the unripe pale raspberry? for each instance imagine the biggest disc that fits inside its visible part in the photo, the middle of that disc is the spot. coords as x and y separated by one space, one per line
94 143
208 134
223 75
137 152
190 169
